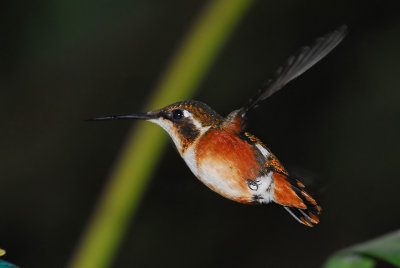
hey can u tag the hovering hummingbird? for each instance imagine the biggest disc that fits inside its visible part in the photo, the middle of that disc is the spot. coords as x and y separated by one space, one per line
231 161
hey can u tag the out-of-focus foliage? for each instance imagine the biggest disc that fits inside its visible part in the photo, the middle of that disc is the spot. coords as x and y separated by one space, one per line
4 264
364 255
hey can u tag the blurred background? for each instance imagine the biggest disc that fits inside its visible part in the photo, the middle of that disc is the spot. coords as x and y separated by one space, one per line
337 127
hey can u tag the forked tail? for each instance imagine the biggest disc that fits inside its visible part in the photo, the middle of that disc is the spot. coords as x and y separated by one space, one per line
290 193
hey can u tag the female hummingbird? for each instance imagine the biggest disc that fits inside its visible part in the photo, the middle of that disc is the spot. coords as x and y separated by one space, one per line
231 161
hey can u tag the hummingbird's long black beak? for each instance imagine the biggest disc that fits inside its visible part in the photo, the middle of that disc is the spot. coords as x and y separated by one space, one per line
142 116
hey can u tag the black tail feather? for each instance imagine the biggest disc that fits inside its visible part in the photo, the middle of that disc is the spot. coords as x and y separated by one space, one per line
308 214
303 216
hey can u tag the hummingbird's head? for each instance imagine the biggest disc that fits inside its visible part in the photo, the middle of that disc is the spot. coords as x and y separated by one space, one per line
184 121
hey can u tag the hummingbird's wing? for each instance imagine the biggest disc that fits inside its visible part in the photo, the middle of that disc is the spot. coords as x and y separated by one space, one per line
296 65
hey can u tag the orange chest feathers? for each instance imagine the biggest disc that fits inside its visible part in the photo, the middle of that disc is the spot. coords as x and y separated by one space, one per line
225 152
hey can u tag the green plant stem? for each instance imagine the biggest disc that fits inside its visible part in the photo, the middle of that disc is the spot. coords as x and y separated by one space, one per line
145 143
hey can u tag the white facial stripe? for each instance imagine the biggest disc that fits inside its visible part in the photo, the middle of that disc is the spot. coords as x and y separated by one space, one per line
194 121
198 125
263 150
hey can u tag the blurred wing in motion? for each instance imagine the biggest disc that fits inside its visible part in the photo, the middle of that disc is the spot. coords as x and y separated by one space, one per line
297 65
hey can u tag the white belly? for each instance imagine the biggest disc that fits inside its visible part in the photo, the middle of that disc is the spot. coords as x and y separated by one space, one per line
220 176
213 173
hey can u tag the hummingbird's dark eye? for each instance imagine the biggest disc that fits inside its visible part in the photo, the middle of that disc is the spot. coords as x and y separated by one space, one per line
177 114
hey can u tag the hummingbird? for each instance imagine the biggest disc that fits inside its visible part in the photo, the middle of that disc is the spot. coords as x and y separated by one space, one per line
228 159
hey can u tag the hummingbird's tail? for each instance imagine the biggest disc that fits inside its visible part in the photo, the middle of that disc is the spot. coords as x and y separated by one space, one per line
290 193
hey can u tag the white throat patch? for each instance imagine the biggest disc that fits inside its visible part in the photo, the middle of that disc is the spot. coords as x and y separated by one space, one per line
189 155
168 126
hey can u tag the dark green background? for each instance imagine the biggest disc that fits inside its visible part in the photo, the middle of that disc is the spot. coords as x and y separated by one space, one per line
337 127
